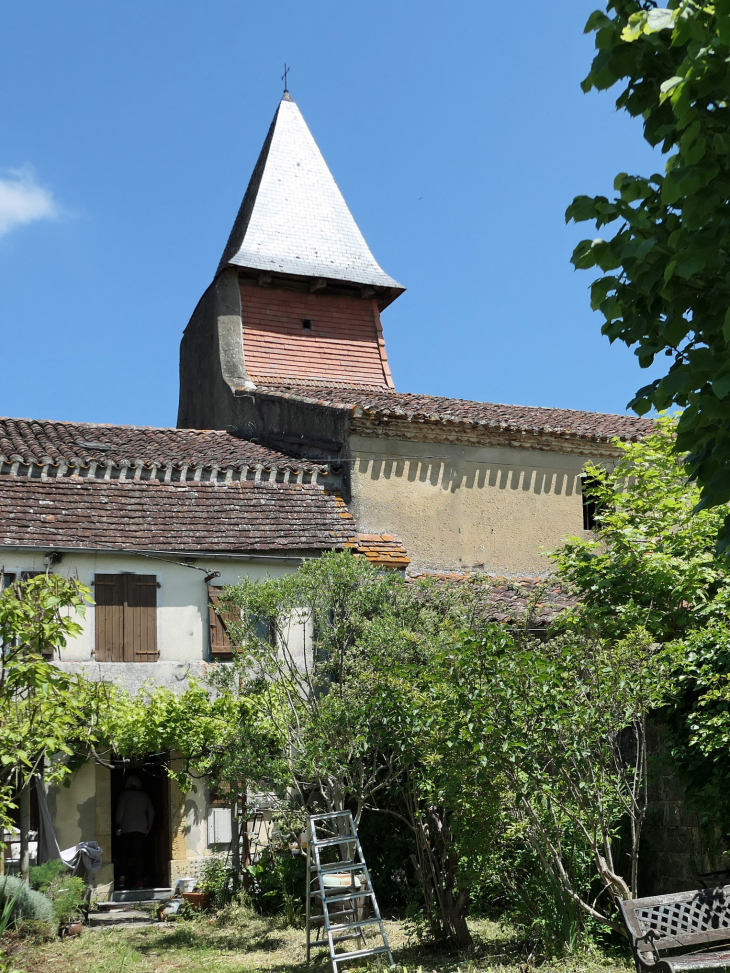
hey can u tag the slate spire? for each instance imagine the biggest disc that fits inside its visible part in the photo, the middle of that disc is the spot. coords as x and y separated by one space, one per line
293 218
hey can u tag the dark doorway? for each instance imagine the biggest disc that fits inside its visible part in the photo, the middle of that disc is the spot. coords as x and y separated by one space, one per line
152 774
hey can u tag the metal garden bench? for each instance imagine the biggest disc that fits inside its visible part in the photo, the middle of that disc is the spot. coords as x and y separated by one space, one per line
683 931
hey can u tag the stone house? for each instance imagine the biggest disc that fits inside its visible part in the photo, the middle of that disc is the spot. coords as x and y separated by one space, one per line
154 521
286 348
291 440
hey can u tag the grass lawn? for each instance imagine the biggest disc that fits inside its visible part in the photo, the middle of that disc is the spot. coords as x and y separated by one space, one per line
238 942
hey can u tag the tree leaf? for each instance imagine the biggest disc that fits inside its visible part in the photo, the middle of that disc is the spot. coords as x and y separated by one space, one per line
726 326
721 386
581 209
660 19
597 19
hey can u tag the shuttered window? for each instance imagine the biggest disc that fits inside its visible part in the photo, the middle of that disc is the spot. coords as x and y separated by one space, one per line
126 617
220 643
221 647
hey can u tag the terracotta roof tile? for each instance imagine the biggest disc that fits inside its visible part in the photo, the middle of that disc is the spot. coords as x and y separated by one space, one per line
81 443
76 512
384 549
382 404
534 602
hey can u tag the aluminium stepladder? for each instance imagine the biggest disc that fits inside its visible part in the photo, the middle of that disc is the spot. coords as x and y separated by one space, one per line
327 886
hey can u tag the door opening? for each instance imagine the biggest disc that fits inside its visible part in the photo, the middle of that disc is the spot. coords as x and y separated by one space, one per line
141 861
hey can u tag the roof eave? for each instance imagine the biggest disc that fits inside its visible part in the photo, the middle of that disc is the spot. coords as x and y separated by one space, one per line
384 292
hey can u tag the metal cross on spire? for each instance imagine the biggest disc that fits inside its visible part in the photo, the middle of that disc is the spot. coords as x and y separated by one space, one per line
285 79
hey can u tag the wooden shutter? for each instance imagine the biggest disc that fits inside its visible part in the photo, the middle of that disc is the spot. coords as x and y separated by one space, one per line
220 642
126 617
109 598
140 618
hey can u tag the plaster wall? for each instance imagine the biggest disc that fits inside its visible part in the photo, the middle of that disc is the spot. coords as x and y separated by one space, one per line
83 812
74 808
196 821
182 606
467 507
211 357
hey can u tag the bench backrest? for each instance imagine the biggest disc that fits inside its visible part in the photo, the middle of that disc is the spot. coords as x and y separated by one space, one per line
681 919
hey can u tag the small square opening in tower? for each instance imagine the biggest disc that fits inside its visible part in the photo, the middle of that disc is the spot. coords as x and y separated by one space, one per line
307 324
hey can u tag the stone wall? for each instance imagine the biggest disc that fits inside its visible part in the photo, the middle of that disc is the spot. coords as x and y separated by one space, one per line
675 848
464 508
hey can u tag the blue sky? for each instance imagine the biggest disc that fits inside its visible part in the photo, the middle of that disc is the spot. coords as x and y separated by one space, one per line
457 133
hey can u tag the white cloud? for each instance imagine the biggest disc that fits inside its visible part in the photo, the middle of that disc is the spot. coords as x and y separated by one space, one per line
23 200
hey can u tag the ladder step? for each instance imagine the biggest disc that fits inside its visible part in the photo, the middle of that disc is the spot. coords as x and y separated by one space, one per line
338 867
342 898
329 815
336 939
341 926
327 842
346 957
315 920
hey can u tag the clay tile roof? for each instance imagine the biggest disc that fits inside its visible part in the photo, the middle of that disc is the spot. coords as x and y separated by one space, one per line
74 512
531 602
384 549
383 404
81 443
293 218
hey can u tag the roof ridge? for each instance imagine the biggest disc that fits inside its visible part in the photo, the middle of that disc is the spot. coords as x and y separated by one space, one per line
115 425
271 382
344 386
44 442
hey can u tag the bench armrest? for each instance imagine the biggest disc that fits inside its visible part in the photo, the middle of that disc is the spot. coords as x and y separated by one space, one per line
647 938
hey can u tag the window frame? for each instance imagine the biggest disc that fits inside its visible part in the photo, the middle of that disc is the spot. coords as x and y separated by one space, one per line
125 617
591 506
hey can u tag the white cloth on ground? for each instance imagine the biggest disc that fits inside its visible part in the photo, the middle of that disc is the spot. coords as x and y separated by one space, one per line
88 852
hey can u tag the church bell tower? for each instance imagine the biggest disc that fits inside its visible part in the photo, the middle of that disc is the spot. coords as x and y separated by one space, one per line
297 296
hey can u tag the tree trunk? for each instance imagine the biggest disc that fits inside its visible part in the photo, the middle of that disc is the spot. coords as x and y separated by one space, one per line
24 804
436 868
245 840
235 839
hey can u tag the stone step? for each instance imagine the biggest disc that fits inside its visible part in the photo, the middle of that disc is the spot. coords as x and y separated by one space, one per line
118 917
114 907
141 895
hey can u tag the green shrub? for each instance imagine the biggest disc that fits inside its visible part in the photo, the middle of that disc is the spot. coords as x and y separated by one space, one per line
30 905
511 885
275 885
217 882
41 876
67 892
